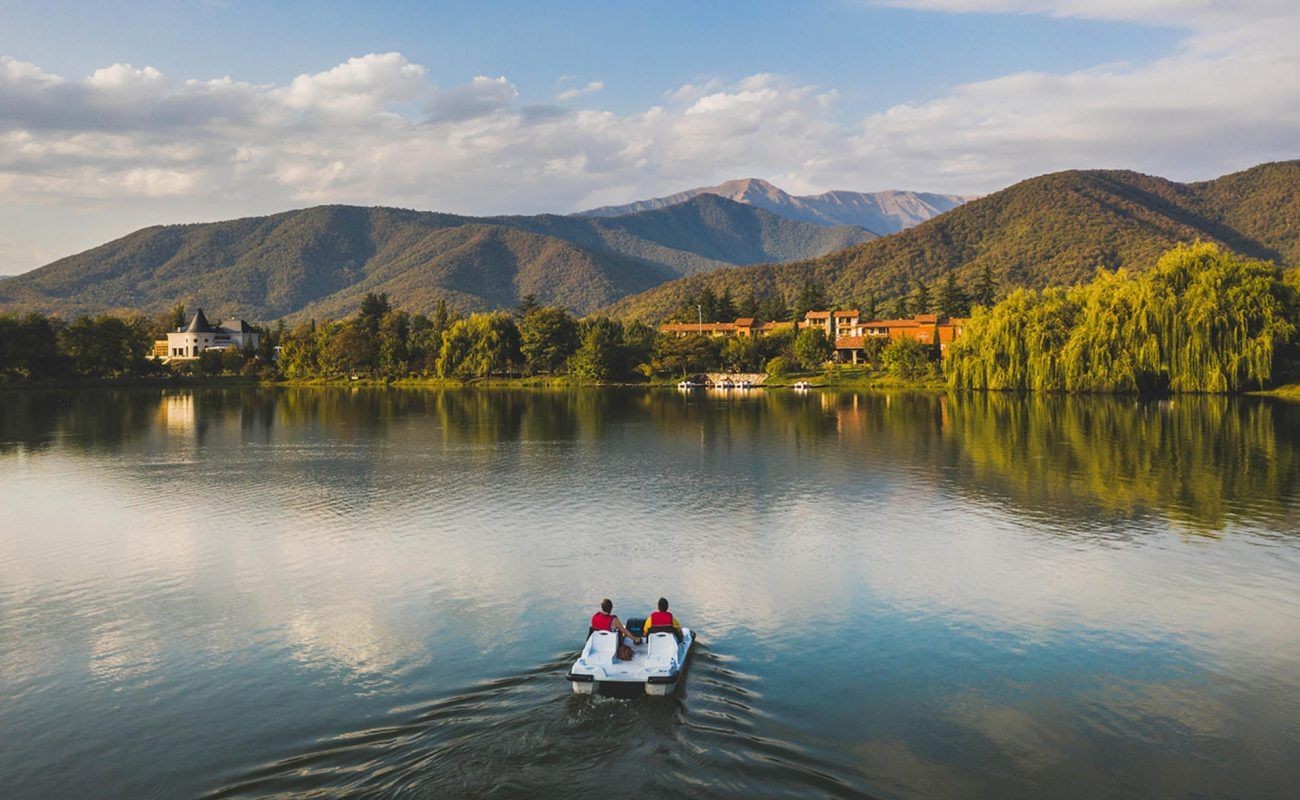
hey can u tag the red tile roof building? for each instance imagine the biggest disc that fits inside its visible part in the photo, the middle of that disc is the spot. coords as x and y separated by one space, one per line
743 326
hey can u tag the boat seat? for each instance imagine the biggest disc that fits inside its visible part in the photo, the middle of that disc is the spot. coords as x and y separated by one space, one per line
667 629
602 646
661 648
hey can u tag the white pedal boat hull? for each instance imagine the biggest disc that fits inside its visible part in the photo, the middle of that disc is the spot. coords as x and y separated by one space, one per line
656 664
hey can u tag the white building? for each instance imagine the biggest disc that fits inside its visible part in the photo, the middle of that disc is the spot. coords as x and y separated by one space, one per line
200 335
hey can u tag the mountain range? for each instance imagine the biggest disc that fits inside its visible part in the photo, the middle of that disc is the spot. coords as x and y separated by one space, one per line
1051 230
879 212
320 261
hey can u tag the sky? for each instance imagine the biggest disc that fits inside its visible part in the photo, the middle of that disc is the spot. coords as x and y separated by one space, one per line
118 116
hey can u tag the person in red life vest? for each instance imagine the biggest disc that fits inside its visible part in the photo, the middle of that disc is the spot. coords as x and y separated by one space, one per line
606 620
663 621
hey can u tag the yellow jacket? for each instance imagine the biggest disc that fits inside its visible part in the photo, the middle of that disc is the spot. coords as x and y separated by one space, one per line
646 628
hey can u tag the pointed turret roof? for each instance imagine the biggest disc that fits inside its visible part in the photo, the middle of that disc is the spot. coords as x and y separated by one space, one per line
199 324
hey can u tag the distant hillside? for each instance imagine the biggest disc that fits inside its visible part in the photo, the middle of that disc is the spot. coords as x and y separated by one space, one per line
879 212
1054 229
698 235
322 260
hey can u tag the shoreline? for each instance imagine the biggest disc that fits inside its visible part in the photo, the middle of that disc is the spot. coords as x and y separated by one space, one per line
822 381
817 381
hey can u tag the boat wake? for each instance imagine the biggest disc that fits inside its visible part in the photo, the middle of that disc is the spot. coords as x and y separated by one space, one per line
527 735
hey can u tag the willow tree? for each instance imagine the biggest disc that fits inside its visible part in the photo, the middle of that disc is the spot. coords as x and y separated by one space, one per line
1202 320
1229 321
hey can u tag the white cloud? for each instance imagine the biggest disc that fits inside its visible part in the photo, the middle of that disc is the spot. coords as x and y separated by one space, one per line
480 97
359 87
575 93
376 130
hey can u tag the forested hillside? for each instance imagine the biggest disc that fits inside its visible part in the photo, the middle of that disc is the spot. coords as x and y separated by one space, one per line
1052 230
320 260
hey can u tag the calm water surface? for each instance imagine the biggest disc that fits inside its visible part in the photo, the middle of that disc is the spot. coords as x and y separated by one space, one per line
347 593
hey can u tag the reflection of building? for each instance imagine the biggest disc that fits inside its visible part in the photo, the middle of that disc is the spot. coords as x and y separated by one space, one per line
178 413
200 335
743 326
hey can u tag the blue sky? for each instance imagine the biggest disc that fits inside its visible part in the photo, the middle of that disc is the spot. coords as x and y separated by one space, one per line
875 56
112 118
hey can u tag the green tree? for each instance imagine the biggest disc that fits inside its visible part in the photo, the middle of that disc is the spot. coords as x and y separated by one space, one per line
394 348
951 300
347 347
209 362
494 344
906 358
453 356
29 347
902 307
373 308
812 348
779 366
526 304
683 355
104 346
174 319
726 306
1202 321
638 348
599 355
871 305
921 300
742 354
548 337
811 297
985 290
773 308
300 353
707 305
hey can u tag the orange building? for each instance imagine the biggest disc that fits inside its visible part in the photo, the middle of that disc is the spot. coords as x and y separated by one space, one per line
743 326
851 333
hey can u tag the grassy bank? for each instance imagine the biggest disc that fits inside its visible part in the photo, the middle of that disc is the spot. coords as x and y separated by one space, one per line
1290 391
846 378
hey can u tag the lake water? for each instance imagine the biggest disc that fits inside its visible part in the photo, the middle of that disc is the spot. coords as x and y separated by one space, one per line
339 593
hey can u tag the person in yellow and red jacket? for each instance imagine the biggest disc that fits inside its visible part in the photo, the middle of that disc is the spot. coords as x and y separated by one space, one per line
663 621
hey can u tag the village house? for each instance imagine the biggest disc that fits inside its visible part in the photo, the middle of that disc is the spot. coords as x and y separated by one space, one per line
928 329
191 340
743 326
835 324
846 328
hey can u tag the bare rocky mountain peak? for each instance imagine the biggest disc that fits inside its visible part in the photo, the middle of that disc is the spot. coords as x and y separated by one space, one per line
879 212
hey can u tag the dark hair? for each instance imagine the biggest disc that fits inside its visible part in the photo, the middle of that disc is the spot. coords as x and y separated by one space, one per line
606 605
663 604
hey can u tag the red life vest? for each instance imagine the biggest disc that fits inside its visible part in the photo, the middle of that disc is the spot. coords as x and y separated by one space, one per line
658 618
602 621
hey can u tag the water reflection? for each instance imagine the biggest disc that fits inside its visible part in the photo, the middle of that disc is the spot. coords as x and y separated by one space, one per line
357 591
1195 460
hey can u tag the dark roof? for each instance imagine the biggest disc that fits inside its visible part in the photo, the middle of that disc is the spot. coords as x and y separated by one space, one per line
236 326
199 324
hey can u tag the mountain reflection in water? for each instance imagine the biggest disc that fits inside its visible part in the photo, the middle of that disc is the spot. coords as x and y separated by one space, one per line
339 592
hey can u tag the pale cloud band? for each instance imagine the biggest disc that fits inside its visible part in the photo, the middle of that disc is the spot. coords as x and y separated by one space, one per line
377 130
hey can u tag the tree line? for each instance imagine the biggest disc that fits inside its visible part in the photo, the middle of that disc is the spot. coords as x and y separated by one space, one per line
385 343
1203 320
946 298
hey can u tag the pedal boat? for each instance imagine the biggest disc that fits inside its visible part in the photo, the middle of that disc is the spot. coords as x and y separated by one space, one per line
656 664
